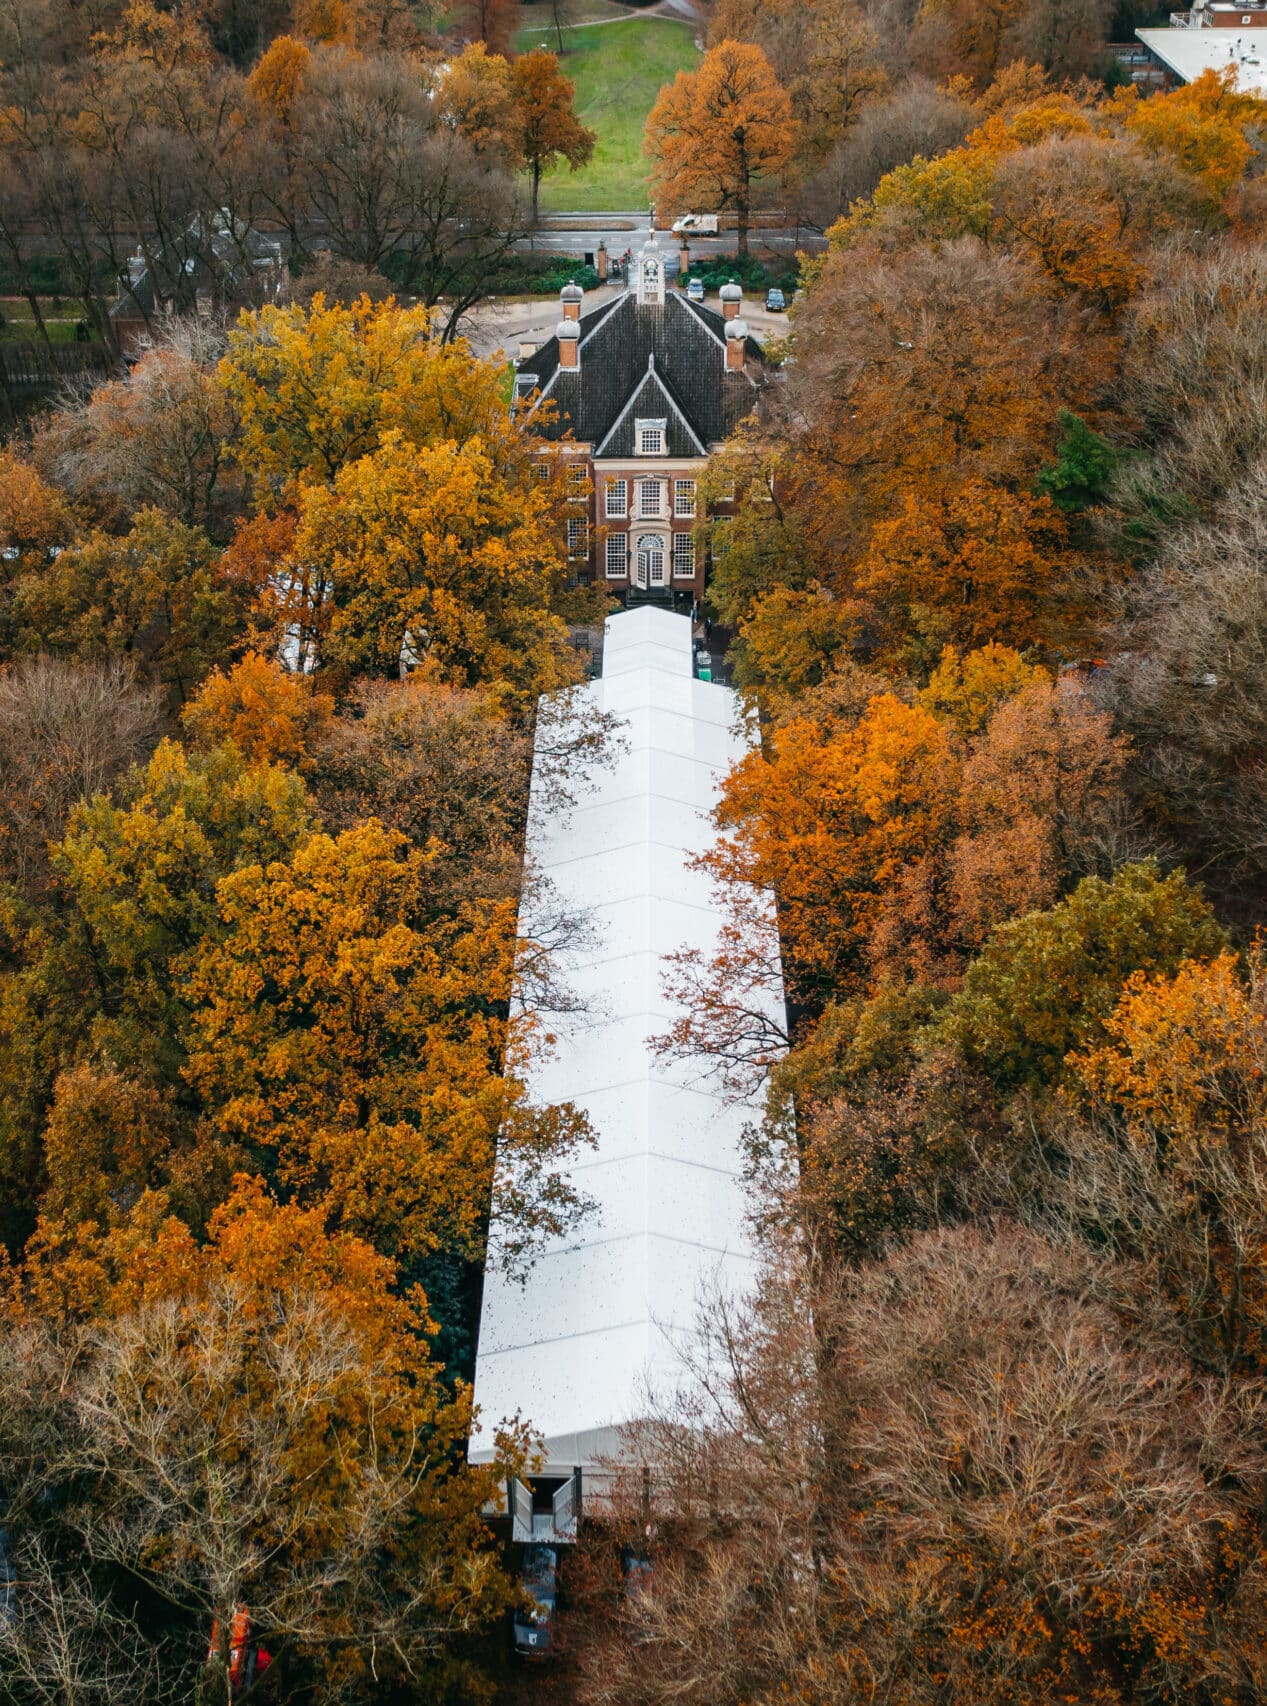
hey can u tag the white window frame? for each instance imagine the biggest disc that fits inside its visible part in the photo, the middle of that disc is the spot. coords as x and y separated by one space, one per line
578 478
726 492
684 499
616 508
684 556
578 539
616 562
646 487
653 431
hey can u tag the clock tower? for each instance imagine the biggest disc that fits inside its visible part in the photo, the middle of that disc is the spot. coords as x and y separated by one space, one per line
650 281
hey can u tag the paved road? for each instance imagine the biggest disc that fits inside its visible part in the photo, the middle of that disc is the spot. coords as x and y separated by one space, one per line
498 328
621 231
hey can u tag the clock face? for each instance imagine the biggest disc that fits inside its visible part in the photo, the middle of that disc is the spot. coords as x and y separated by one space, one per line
650 270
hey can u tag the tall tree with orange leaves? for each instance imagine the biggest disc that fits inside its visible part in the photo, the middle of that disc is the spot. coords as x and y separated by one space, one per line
713 133
547 128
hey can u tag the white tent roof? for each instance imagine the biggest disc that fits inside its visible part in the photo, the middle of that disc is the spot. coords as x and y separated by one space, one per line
602 1314
1188 52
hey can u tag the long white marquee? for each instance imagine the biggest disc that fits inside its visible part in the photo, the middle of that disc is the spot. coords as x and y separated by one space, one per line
604 1314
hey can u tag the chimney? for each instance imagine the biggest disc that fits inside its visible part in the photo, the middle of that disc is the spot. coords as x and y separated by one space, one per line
568 332
731 301
736 338
571 296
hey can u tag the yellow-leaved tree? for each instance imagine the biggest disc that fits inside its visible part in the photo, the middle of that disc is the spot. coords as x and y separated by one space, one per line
316 388
442 552
358 1047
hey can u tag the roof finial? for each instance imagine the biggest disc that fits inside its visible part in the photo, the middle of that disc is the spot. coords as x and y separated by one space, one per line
651 362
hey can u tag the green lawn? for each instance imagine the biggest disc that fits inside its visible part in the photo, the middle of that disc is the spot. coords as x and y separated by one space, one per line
17 323
618 69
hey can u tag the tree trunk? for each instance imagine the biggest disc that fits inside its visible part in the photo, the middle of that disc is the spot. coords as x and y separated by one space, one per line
741 219
536 187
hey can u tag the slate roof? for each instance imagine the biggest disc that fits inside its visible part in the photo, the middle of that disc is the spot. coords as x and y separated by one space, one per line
217 252
653 400
617 344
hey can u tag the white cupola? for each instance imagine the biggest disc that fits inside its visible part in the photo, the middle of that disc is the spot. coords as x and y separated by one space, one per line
650 274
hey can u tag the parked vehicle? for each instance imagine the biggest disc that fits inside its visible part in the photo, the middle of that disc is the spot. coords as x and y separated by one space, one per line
534 1627
695 289
775 301
703 223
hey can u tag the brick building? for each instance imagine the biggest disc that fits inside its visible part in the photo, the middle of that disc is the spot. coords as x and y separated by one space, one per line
643 388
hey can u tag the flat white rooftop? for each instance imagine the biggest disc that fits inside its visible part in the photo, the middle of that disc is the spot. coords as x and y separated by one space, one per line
603 1315
1189 52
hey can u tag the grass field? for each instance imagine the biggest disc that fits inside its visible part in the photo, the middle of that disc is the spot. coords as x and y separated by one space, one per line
17 323
618 69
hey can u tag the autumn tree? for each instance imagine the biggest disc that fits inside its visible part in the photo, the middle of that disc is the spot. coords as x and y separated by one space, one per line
445 766
68 731
105 983
316 389
269 714
1202 126
715 132
166 1477
977 565
162 436
900 836
1166 1153
442 555
907 380
477 97
35 518
547 128
358 1048
883 1471
1045 984
152 599
825 53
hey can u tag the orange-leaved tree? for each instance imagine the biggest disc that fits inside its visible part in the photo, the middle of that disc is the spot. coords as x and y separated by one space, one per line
988 564
715 131
270 714
1201 125
1171 1161
476 96
254 1421
548 128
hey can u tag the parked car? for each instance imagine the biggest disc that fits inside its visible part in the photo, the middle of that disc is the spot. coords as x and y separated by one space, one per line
703 222
775 301
695 289
534 1627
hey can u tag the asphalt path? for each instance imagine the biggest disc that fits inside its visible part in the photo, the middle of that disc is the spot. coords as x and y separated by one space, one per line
561 234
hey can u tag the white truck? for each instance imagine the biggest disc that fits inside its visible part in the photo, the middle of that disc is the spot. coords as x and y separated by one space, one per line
702 224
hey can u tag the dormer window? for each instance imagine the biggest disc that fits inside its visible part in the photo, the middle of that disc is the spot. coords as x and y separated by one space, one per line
649 437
